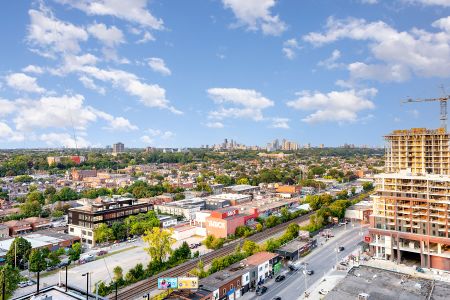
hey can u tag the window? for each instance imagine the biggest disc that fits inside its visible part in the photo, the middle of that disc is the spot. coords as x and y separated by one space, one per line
231 287
224 291
71 229
238 283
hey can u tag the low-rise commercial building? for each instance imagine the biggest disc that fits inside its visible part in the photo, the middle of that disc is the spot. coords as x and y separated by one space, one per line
83 220
185 208
18 227
241 189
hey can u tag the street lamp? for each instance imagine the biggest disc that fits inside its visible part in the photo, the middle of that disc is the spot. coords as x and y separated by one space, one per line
87 284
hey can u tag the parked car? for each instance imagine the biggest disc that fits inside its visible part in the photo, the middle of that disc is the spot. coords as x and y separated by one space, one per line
102 252
323 292
261 290
308 272
276 298
344 263
280 278
23 284
340 249
420 270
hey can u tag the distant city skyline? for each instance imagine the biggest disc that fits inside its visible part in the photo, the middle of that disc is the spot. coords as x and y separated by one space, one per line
187 73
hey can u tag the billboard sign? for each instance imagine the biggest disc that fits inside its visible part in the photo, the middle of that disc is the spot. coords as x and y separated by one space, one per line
187 283
165 283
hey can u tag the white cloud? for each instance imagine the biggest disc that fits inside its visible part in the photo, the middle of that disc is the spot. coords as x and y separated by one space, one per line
256 15
445 3
214 125
335 106
7 133
64 139
33 69
6 107
145 38
165 135
330 63
23 82
151 95
90 84
146 139
289 48
250 103
399 54
134 11
369 1
280 123
158 65
63 112
52 35
111 36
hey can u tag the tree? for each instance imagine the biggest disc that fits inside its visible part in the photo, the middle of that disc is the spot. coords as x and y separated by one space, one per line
23 178
367 186
224 179
31 208
119 231
159 243
19 251
118 273
243 180
272 221
11 277
37 260
285 214
292 230
67 193
250 247
75 252
103 233
36 196
259 227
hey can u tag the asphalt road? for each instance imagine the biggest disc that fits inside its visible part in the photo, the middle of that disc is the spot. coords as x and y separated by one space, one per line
321 260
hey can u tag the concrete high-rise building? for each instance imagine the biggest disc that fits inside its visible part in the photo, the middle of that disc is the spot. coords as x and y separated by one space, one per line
118 148
411 214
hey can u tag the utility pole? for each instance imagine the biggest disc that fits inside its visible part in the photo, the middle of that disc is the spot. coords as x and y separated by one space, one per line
15 253
66 278
87 284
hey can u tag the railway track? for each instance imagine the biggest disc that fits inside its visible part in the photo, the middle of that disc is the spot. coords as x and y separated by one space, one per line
141 288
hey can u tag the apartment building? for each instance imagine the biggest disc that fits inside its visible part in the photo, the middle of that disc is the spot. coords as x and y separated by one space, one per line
84 219
410 216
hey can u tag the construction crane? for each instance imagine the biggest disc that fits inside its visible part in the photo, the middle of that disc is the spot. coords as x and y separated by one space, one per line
443 105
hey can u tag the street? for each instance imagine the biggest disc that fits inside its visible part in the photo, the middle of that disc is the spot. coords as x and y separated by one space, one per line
320 260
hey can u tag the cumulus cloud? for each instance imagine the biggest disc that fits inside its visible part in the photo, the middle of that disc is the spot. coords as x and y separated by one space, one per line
214 125
256 15
33 69
53 36
64 140
7 133
369 1
111 36
6 107
146 139
289 48
63 112
445 3
335 106
165 135
244 103
158 65
151 95
134 11
399 54
90 84
280 123
331 62
24 83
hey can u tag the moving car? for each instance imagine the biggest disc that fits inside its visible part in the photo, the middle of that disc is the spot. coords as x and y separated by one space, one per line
344 263
323 292
261 290
102 252
280 278
276 298
308 272
340 249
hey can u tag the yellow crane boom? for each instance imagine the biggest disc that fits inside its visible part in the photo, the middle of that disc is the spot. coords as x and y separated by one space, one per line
443 106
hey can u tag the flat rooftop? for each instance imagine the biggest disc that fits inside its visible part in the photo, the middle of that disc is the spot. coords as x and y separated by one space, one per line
228 197
382 284
293 246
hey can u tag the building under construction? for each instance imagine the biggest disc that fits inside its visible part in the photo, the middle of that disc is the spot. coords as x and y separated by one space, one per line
411 204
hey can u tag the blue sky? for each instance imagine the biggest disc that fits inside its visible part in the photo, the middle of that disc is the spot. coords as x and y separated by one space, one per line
189 73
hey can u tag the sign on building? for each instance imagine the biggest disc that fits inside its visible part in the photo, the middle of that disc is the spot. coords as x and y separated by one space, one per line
165 283
187 283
